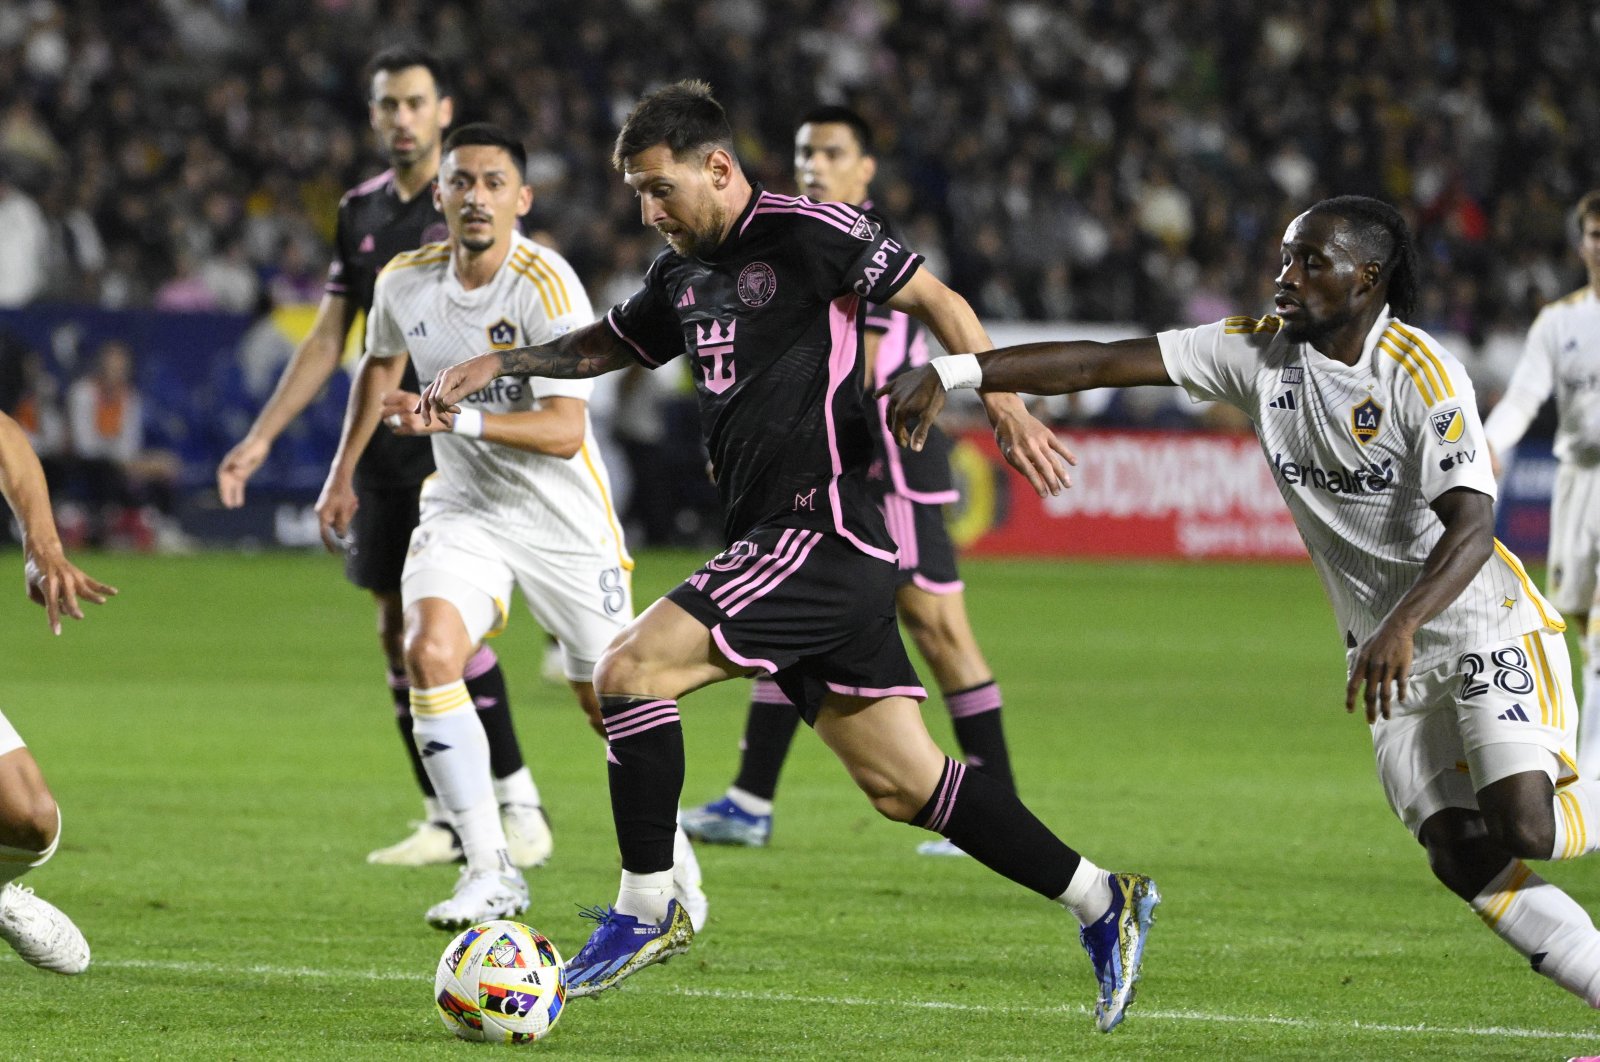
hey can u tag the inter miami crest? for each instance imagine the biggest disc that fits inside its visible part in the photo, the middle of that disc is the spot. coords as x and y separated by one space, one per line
1448 425
502 335
1365 420
757 283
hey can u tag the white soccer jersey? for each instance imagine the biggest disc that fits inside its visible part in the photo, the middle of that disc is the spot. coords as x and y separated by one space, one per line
1358 453
420 308
1562 355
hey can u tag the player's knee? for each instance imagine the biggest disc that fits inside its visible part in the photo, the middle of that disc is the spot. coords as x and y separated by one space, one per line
623 669
889 799
30 824
431 660
1524 836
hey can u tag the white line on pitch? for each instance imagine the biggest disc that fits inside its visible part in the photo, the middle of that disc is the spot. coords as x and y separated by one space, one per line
1140 1014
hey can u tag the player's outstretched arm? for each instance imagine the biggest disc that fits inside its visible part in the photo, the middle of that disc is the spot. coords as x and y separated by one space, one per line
1029 446
1383 661
592 350
555 428
314 361
52 580
916 397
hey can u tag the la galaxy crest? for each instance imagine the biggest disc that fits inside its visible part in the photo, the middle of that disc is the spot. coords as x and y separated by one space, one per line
1365 420
1448 425
502 335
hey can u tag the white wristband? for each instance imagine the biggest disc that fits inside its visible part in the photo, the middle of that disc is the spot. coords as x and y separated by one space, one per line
958 371
468 422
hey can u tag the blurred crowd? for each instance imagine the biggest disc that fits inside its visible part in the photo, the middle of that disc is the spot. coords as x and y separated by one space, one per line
1097 160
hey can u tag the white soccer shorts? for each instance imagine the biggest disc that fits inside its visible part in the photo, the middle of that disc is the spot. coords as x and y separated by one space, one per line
1574 554
10 740
1503 709
583 600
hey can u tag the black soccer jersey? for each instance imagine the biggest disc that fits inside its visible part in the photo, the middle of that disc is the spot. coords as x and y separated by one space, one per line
771 323
375 225
922 476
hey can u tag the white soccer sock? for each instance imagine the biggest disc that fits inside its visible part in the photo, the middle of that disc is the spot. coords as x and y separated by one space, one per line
1577 819
749 802
455 753
433 810
15 862
685 864
517 788
1088 894
1546 926
645 896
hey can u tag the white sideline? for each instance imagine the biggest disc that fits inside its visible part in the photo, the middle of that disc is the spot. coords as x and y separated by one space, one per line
1139 1014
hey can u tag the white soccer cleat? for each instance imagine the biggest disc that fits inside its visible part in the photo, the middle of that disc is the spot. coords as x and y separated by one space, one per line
480 896
41 933
528 836
429 844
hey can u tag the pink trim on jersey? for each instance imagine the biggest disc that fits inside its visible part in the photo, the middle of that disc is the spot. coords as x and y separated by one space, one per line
768 692
756 572
791 561
968 703
699 581
915 692
901 521
372 184
612 321
944 801
841 360
640 718
482 662
779 204
926 585
842 211
894 350
732 654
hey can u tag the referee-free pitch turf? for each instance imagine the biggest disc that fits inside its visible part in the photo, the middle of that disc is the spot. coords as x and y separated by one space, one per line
221 742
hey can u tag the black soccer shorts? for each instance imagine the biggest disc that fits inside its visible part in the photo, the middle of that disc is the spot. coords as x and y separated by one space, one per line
380 535
807 608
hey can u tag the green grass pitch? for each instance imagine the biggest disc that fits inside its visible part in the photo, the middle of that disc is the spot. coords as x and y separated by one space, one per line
221 743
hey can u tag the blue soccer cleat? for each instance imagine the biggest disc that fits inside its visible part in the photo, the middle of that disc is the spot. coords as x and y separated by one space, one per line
1115 943
724 822
622 945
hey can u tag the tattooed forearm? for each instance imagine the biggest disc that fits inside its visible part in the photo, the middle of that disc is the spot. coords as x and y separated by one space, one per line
590 351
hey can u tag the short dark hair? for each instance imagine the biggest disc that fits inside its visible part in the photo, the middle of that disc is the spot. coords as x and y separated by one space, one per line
839 115
1381 233
1588 207
684 116
482 133
403 57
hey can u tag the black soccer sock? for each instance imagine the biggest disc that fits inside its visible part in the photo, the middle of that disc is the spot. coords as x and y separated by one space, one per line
975 715
644 758
487 685
768 732
400 690
986 820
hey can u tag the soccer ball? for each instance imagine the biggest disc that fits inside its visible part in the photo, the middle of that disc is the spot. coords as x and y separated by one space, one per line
500 982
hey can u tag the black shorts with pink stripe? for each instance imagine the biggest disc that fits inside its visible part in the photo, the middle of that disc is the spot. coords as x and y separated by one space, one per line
808 609
927 556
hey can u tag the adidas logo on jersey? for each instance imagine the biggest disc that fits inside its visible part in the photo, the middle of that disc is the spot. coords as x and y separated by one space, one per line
1283 401
420 331
1514 714
434 747
687 300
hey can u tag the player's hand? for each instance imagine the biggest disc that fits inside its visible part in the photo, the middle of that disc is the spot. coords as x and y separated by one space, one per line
400 414
1030 447
915 399
237 467
1381 665
58 585
336 507
445 392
